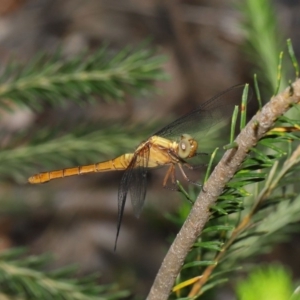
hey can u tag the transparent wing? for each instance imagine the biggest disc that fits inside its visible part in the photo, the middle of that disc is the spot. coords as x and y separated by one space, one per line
198 122
139 182
134 180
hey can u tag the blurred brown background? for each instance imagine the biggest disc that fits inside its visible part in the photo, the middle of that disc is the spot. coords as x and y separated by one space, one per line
75 218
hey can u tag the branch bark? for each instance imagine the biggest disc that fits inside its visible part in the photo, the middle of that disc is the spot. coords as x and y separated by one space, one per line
261 123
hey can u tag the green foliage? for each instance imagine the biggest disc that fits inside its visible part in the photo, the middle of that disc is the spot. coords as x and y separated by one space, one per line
293 57
25 279
269 282
54 79
263 40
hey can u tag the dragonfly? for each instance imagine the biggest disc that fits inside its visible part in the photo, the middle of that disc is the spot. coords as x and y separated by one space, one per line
171 146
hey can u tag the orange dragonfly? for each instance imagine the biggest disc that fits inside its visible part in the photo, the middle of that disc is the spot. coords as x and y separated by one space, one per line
173 145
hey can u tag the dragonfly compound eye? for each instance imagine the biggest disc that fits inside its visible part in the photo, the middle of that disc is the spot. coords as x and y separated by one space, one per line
187 146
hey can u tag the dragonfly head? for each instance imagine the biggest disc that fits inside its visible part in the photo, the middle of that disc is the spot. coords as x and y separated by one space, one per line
187 146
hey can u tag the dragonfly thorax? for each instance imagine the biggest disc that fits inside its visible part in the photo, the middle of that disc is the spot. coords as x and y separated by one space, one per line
187 146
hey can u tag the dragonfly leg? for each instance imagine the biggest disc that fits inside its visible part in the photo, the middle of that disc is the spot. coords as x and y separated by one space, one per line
195 167
189 166
169 172
173 179
186 177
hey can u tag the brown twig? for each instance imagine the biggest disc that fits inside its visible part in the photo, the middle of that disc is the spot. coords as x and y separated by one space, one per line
260 124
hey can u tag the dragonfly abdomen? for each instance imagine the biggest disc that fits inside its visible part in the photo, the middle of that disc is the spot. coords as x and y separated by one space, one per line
119 163
47 176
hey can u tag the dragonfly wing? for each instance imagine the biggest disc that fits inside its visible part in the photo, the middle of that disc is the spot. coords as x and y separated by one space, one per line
122 194
198 122
139 182
134 180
